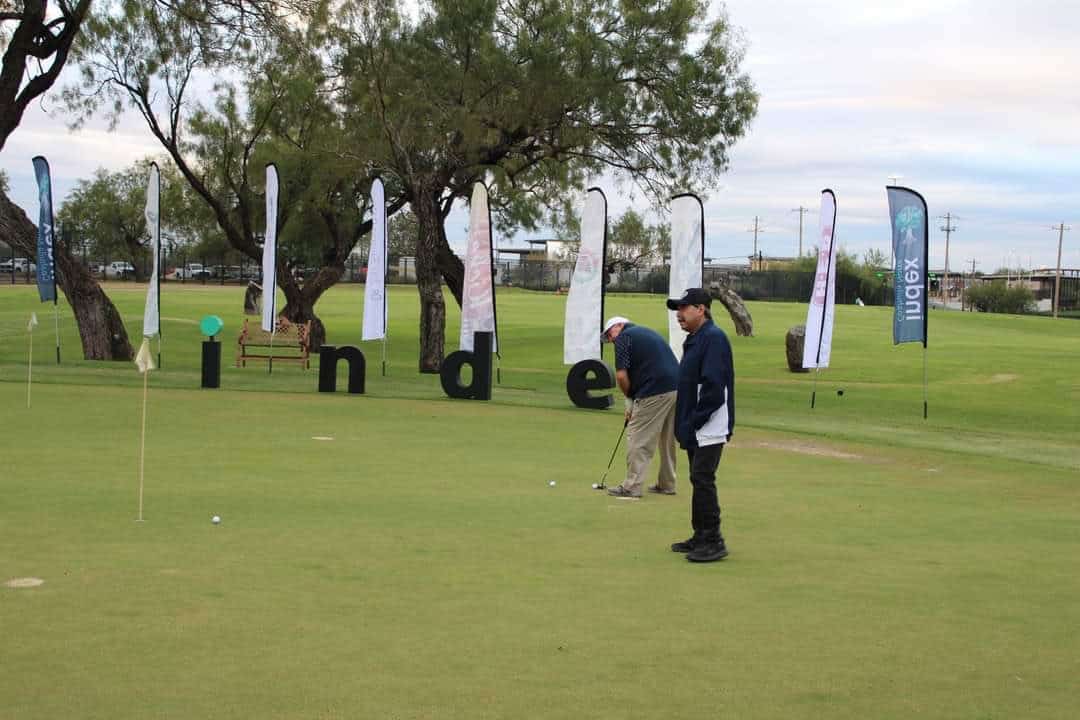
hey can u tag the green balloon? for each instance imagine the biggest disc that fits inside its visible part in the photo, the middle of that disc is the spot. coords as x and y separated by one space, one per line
211 325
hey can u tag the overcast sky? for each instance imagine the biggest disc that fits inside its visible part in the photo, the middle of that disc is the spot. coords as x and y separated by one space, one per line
974 104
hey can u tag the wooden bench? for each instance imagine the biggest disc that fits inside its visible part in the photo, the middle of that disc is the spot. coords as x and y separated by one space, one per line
290 342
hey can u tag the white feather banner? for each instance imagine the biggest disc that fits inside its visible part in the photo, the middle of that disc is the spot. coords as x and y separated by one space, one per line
585 300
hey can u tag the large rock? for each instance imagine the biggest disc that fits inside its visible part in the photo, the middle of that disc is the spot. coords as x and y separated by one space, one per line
744 324
794 342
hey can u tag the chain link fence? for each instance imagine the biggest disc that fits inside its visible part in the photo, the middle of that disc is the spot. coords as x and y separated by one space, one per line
232 268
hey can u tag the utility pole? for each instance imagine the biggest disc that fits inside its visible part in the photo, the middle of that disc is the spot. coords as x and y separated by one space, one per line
756 229
948 228
1057 278
802 211
973 264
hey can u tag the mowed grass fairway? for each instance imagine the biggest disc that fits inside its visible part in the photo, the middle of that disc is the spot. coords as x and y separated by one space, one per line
419 565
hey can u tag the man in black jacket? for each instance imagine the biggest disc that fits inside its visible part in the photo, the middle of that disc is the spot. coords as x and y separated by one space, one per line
704 417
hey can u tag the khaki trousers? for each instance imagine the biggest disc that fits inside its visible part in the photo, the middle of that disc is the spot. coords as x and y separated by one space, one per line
652 422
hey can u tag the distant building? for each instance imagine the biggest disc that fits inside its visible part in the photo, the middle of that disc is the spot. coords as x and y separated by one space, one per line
1040 282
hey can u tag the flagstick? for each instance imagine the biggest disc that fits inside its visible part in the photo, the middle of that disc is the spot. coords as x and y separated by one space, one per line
142 448
29 369
813 395
159 343
384 355
498 370
270 360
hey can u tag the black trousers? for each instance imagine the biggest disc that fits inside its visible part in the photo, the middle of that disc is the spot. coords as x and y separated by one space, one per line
705 507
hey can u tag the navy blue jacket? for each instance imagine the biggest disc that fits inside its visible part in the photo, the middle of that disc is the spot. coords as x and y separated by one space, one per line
705 401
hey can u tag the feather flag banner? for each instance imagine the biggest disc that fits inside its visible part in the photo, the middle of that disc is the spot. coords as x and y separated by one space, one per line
687 258
152 311
375 310
817 346
585 299
478 295
269 258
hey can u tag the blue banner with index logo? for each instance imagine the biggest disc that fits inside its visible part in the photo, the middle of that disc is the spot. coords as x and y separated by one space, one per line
46 267
910 238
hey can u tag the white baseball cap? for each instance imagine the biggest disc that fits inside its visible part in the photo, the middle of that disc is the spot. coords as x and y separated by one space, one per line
612 322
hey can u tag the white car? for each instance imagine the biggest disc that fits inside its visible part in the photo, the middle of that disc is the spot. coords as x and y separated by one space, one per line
19 265
119 270
192 271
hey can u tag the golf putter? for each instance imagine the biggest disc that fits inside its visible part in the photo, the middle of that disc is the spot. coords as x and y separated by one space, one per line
603 480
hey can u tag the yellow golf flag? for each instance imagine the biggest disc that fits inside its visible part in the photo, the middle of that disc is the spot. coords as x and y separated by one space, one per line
144 360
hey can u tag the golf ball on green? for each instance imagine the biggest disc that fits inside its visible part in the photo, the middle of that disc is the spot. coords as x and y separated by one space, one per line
216 520
552 483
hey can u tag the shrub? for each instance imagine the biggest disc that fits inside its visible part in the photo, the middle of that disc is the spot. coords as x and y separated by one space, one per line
995 297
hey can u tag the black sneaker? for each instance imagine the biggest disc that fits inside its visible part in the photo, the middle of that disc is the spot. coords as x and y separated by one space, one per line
707 552
685 546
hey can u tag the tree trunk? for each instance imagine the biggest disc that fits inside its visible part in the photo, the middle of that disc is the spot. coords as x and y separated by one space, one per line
744 324
101 328
429 247
300 300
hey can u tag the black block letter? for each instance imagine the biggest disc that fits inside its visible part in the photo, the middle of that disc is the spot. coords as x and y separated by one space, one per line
328 361
480 360
590 375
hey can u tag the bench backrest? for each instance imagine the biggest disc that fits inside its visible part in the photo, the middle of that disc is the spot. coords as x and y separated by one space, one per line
286 333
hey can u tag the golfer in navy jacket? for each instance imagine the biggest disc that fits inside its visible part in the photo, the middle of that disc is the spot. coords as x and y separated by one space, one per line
704 417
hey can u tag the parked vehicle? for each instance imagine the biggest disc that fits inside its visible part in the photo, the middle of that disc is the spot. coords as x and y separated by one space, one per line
192 271
19 265
119 270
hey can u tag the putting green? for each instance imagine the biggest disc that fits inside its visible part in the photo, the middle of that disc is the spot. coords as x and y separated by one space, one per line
419 564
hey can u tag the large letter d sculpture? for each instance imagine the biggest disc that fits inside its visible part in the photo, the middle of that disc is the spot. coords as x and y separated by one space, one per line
479 360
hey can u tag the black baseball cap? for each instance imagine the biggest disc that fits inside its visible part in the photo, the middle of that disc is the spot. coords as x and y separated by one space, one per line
692 296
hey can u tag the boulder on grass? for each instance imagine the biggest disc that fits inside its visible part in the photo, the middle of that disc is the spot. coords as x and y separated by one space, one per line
794 342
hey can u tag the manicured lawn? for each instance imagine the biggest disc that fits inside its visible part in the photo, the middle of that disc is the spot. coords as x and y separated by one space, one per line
419 565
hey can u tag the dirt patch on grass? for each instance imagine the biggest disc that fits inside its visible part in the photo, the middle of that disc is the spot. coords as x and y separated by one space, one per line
804 447
26 582
1003 377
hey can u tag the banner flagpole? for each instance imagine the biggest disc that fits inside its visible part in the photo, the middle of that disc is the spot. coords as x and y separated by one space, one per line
494 303
142 444
56 318
925 381
30 364
386 301
55 299
926 318
144 361
822 290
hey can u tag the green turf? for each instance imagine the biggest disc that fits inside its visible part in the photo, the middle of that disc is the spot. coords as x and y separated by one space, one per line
419 565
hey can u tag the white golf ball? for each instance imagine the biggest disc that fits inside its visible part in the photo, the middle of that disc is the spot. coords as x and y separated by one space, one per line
596 486
216 520
552 483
